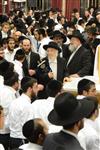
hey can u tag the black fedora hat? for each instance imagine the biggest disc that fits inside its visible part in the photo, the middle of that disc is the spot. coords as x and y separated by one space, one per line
57 33
68 110
52 45
51 23
77 34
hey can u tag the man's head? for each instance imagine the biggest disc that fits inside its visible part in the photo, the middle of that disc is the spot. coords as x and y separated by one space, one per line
1 117
61 19
5 27
76 40
70 112
52 50
1 53
86 87
53 88
17 34
58 37
35 131
11 44
20 55
94 114
42 33
98 15
12 80
37 35
29 86
26 45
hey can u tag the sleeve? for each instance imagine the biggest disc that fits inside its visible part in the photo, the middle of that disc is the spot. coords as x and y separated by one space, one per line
86 64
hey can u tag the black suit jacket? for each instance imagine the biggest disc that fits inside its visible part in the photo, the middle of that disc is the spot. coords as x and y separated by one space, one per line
61 141
61 70
66 52
34 60
81 63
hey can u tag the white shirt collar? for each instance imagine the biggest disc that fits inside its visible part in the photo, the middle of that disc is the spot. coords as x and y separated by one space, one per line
26 97
69 132
80 97
18 62
12 89
54 61
31 145
50 98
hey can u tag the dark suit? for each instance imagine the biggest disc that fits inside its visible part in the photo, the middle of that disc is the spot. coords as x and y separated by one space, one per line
61 70
61 140
66 52
81 63
34 59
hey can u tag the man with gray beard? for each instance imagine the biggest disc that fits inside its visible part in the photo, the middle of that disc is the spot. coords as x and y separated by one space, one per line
79 63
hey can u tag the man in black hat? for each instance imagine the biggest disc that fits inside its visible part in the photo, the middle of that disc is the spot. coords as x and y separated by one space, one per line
42 107
69 113
52 66
80 62
60 39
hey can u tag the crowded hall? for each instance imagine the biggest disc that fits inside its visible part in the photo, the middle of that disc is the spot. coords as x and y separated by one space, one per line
50 75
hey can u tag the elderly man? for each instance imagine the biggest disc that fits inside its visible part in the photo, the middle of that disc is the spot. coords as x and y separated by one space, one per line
52 66
80 62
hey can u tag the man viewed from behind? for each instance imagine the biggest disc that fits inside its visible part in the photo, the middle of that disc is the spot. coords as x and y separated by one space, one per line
35 132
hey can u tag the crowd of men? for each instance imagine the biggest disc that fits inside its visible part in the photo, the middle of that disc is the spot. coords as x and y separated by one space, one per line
39 51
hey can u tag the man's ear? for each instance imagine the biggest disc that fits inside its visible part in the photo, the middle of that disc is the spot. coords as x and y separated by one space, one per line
84 93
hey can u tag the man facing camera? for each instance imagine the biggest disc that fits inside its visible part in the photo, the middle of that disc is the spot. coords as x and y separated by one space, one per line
52 66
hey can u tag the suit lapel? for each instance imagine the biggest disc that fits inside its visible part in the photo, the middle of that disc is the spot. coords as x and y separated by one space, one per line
75 56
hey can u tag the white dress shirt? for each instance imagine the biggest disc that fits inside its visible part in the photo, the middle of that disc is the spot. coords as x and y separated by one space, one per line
7 96
1 147
1 80
42 51
18 68
9 56
97 123
80 97
70 133
53 66
41 109
31 146
20 111
88 137
4 35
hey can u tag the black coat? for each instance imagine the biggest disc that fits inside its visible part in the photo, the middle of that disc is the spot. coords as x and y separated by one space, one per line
34 60
43 71
61 141
81 63
66 52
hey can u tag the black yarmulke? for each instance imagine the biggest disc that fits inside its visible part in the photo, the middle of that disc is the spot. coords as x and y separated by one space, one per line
28 129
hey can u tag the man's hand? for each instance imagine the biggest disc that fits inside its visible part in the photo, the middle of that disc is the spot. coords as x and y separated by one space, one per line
67 79
74 76
31 72
50 74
